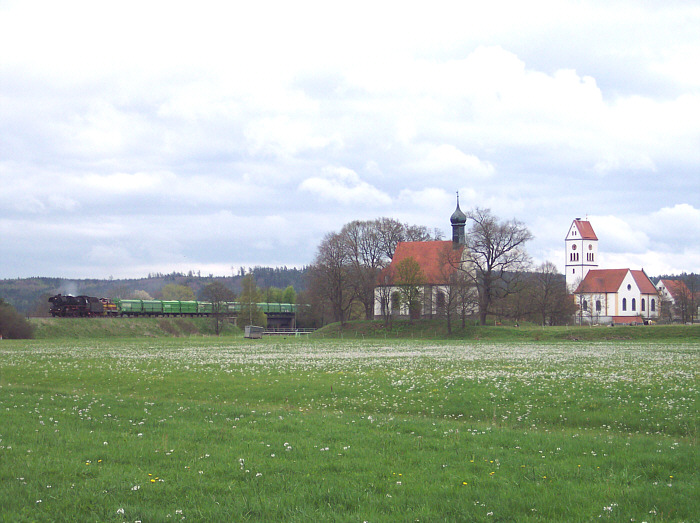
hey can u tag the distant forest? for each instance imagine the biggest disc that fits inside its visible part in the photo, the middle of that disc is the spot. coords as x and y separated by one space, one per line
30 295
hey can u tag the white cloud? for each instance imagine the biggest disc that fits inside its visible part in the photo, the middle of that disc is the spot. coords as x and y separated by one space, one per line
448 159
344 186
617 235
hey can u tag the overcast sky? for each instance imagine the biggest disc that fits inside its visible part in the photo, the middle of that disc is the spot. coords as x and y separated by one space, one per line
141 137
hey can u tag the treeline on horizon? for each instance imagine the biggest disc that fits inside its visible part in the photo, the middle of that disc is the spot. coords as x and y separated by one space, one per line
30 295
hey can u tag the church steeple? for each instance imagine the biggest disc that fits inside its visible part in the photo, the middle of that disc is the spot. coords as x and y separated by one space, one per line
581 252
458 220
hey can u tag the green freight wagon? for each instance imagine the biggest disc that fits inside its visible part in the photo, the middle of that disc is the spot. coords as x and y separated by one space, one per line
129 307
204 307
152 307
172 307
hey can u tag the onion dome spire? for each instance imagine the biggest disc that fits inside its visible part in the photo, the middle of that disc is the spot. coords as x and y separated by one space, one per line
458 216
458 220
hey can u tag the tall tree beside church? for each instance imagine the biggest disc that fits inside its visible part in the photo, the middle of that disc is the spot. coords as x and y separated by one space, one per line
549 299
495 257
331 276
365 255
455 298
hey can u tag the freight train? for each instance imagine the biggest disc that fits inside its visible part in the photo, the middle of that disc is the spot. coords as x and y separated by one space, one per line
88 307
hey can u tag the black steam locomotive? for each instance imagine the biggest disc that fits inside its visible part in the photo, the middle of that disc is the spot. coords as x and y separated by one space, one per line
81 306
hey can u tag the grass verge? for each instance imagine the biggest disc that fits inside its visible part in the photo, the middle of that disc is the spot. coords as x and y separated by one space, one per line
437 329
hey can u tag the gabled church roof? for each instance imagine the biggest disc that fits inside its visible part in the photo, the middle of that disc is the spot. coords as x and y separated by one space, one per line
610 280
431 256
585 229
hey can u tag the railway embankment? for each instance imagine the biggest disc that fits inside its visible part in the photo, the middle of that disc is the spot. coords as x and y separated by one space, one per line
86 328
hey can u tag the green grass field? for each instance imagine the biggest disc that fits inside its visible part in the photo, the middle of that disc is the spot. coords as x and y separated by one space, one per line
348 430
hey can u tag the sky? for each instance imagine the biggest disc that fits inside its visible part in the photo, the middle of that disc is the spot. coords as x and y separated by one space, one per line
140 137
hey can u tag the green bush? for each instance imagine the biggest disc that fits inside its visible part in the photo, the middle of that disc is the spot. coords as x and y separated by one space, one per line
12 324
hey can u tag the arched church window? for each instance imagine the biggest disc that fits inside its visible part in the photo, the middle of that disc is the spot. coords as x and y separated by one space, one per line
634 304
653 305
597 305
643 306
585 305
624 304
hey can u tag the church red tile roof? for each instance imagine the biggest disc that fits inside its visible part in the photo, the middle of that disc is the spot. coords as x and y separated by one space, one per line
610 280
431 256
644 283
585 230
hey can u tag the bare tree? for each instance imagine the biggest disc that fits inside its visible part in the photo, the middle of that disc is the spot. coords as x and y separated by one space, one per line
218 295
332 276
453 297
390 232
250 313
384 292
494 249
691 281
365 253
547 287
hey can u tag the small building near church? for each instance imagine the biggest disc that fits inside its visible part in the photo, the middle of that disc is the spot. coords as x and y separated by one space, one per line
676 299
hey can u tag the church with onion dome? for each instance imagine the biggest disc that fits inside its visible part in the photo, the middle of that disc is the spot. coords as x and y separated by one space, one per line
440 262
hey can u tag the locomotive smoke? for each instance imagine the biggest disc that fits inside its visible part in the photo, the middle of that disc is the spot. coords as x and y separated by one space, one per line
69 288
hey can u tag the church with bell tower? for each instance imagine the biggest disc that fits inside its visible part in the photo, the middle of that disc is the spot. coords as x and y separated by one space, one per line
605 296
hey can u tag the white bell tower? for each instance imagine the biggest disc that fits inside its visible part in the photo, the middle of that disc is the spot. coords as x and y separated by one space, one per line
581 252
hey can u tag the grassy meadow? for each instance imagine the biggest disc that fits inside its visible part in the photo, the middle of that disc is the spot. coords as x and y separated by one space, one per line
303 429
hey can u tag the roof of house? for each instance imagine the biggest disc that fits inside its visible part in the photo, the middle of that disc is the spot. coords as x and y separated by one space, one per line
610 280
585 229
676 288
431 256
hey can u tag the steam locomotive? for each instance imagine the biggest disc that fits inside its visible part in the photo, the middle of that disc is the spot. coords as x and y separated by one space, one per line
81 306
